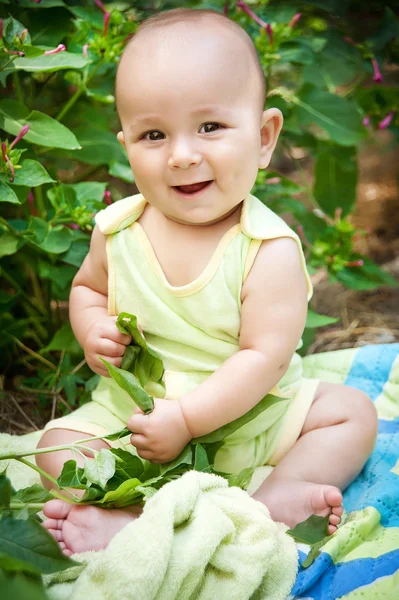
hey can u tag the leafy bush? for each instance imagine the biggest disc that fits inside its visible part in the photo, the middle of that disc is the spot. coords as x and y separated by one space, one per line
60 154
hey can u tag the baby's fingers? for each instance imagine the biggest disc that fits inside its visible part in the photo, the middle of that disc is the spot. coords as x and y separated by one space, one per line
110 348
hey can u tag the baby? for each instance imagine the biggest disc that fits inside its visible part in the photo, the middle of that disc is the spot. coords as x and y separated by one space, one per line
217 281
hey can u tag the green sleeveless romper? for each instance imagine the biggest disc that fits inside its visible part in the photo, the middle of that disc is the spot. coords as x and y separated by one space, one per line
195 329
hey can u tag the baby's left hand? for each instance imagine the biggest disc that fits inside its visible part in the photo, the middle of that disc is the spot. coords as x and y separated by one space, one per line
161 435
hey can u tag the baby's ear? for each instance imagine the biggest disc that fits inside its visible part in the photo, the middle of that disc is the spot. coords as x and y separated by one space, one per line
121 138
272 122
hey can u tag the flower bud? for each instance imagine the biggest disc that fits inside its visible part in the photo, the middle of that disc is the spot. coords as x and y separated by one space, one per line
21 134
295 19
386 121
60 48
378 78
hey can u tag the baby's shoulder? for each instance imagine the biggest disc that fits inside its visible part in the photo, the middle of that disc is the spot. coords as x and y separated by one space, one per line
120 214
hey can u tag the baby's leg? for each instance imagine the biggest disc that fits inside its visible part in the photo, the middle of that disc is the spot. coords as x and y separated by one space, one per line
337 438
52 462
77 528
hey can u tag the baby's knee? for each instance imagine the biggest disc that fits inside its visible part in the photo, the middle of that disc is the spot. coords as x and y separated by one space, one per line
363 415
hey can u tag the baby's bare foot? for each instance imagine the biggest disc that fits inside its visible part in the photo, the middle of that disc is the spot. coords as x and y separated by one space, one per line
80 528
293 501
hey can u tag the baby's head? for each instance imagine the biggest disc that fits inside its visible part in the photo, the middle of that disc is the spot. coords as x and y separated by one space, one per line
190 95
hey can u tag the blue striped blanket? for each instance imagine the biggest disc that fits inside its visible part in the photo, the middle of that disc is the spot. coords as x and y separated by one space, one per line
361 561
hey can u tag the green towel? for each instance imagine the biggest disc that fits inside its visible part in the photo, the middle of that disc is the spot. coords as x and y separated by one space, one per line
197 539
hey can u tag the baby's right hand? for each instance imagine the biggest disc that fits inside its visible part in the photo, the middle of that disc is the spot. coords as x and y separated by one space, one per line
104 340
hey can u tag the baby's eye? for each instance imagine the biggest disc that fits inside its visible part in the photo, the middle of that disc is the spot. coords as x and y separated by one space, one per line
209 126
157 135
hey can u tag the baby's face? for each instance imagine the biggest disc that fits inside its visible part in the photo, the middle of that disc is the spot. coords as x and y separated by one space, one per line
191 117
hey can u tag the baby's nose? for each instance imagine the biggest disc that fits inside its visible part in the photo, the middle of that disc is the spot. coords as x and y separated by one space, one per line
183 155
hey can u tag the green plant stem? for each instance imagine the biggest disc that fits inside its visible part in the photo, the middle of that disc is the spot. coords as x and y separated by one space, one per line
20 455
18 87
38 470
69 104
38 192
19 505
18 289
67 107
32 352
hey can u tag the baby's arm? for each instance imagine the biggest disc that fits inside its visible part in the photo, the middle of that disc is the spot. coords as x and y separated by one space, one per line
93 327
274 307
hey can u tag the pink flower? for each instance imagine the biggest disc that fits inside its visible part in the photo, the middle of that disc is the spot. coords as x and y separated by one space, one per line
106 23
273 180
20 135
355 263
84 50
100 5
295 19
366 121
31 202
249 12
378 78
269 32
1 28
226 9
386 120
107 197
60 48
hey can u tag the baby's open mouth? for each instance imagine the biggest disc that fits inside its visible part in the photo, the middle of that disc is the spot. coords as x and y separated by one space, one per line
193 188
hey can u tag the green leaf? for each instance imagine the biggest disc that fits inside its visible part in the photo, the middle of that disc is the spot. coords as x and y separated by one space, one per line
311 531
368 277
314 320
337 116
42 4
296 52
10 564
336 179
5 491
58 240
9 244
7 194
71 476
64 339
337 63
147 491
30 542
242 479
98 147
185 458
43 129
118 434
34 493
11 29
127 465
77 252
21 587
100 469
31 174
91 15
52 62
128 382
125 495
122 171
201 462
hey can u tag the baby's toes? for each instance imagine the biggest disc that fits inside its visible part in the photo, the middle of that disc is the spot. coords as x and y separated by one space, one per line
331 529
335 520
337 510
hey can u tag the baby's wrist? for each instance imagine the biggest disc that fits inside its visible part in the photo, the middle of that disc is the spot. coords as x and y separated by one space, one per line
188 428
